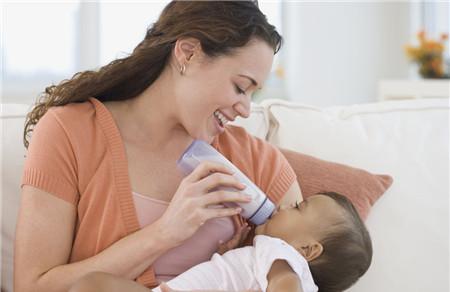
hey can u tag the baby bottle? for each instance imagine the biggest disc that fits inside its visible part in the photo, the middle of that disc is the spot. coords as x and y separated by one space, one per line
257 210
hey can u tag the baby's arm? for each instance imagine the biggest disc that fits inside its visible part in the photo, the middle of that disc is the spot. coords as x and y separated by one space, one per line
281 277
165 288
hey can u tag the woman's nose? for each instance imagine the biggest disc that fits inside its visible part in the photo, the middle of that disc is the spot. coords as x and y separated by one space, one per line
243 108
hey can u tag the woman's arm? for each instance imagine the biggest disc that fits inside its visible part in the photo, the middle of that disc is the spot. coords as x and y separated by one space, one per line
46 226
103 282
44 238
281 277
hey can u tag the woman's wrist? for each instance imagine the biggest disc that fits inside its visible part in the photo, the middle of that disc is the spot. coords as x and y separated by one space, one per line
160 236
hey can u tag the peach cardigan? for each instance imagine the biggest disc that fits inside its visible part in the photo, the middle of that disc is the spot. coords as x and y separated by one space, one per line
76 153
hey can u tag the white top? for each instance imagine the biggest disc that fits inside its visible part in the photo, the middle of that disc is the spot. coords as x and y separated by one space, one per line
245 268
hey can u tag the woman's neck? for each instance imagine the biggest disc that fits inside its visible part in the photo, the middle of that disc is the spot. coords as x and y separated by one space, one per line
150 121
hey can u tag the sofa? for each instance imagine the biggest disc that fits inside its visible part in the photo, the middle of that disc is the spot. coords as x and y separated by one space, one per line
407 139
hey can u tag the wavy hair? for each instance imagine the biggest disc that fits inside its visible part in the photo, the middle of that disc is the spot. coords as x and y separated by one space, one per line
220 26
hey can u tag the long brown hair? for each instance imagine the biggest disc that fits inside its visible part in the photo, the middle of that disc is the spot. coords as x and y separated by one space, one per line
220 27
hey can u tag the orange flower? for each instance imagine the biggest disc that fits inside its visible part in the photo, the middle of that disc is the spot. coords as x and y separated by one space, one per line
421 35
428 54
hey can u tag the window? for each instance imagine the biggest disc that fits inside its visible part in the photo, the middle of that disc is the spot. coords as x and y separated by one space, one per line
44 43
123 26
38 44
435 19
275 84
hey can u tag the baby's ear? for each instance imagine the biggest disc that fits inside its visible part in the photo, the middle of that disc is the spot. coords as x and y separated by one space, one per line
310 250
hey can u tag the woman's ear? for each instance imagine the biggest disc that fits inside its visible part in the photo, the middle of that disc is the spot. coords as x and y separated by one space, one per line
185 49
310 250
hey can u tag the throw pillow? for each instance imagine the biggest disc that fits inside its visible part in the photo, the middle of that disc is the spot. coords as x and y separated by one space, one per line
315 175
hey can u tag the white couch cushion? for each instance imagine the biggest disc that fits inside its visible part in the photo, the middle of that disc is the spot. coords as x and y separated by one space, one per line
406 139
12 123
257 124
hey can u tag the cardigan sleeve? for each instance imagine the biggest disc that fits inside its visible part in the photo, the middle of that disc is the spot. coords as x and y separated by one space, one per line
50 163
261 161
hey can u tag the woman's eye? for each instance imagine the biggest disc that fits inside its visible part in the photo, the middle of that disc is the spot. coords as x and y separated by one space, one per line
239 90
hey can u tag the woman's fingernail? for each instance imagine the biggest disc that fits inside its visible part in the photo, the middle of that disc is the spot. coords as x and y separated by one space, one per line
238 210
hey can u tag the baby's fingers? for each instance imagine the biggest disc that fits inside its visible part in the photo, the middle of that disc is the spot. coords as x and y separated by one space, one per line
222 248
165 288
236 241
245 233
242 234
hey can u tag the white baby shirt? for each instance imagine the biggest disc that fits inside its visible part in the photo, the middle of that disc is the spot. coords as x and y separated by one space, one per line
244 268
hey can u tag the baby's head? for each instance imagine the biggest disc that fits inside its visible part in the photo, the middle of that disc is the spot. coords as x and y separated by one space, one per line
327 230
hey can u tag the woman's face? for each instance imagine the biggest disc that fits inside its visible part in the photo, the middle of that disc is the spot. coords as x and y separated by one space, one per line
215 91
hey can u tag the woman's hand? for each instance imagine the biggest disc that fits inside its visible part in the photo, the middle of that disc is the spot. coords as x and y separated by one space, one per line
189 210
165 288
236 241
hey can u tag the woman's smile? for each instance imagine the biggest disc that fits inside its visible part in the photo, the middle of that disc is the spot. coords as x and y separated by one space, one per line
220 121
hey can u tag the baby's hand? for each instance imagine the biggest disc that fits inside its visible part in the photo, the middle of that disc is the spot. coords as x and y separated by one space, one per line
236 241
165 288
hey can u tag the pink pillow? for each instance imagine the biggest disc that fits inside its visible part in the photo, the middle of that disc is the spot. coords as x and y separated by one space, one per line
315 175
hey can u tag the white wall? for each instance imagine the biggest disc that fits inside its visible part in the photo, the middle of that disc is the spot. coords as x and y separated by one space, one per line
337 52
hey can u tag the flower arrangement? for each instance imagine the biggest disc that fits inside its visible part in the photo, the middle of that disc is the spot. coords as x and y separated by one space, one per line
428 55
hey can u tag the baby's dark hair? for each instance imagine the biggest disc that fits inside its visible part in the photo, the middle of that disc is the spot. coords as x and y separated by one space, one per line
347 250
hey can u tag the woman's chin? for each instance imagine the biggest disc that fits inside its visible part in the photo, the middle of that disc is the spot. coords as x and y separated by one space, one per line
206 137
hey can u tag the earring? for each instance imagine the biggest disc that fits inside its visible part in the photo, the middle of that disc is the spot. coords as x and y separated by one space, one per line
183 69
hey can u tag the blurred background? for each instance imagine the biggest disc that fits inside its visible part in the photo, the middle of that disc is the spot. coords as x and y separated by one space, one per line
335 53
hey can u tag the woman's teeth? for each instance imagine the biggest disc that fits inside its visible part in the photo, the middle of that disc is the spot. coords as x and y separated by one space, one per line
223 120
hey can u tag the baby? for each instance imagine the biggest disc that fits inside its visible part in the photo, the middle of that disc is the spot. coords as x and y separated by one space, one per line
320 244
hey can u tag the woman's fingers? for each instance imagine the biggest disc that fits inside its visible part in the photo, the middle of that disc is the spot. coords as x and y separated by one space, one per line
209 213
219 180
206 168
217 197
188 209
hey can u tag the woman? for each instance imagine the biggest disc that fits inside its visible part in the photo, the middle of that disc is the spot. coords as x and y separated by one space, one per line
100 189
